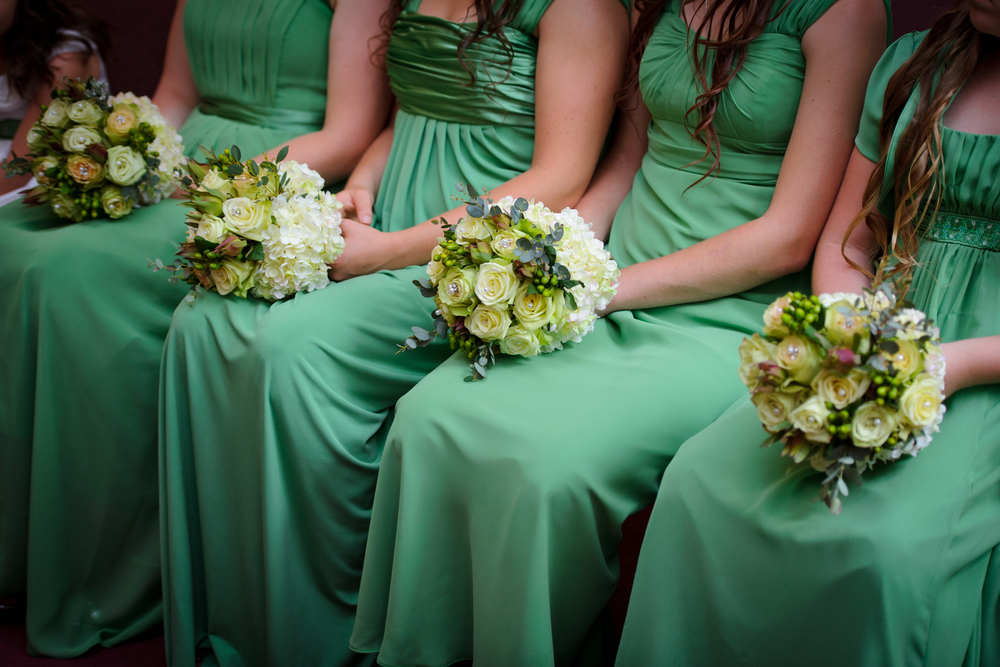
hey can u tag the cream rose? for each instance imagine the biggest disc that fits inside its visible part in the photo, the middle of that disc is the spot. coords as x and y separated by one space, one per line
504 243
812 418
457 291
76 139
753 351
113 203
233 276
841 390
213 180
473 229
64 206
212 229
85 112
41 166
85 171
56 113
520 342
247 218
446 313
906 359
121 119
773 325
125 165
246 185
534 310
873 424
773 408
436 269
920 404
841 328
36 138
488 322
799 357
496 284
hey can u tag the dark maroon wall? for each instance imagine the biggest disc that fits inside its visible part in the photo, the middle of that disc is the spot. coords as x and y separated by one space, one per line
140 35
139 40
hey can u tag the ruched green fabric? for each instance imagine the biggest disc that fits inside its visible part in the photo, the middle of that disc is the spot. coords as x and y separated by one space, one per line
738 565
82 324
273 416
499 504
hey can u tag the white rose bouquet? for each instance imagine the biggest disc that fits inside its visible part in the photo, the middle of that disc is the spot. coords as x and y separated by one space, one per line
845 382
92 153
267 228
516 278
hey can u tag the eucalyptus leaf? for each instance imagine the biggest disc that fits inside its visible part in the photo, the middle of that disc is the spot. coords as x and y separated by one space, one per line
235 152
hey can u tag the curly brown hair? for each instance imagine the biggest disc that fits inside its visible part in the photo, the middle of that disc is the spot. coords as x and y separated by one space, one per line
36 30
940 66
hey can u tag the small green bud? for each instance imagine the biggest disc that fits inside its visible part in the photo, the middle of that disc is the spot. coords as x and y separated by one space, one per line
882 391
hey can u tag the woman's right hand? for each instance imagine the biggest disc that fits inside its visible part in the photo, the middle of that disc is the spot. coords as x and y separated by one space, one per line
357 203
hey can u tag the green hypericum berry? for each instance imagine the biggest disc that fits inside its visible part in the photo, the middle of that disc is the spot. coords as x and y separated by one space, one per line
786 318
829 405
215 266
199 266
880 401
878 379
845 429
832 429
893 393
844 414
800 314
882 391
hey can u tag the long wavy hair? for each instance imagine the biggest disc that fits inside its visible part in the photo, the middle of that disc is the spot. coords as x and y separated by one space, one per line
740 22
491 20
940 65
36 30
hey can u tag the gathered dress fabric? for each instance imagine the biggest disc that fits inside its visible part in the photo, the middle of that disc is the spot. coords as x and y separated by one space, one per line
740 567
499 504
273 416
82 325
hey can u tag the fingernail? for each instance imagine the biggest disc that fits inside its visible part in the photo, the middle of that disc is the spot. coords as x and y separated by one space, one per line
366 218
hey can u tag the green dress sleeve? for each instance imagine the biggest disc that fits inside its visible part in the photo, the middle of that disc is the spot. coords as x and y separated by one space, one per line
871 117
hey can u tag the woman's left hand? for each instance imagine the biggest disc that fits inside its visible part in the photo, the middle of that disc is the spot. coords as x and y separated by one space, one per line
366 250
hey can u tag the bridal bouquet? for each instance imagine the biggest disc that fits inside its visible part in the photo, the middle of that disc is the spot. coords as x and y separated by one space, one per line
517 278
268 228
845 382
94 153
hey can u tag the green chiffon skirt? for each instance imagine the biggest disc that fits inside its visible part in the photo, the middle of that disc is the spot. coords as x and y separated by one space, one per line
499 505
740 567
82 324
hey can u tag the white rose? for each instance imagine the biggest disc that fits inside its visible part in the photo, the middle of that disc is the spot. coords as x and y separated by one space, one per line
800 358
436 269
920 403
488 323
535 310
504 243
56 114
812 418
841 390
76 139
773 408
457 290
520 342
212 229
85 112
873 424
125 166
233 276
907 359
247 218
841 328
213 180
473 229
496 284
36 138
753 351
773 325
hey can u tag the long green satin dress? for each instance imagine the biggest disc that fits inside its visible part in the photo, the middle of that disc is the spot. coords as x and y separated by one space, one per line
499 505
82 324
273 416
738 567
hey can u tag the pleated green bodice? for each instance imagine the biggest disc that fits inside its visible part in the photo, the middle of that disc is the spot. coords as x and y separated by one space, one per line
754 122
450 128
260 63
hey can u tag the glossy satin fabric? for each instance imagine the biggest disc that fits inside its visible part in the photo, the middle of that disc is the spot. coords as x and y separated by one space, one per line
738 567
82 323
499 504
274 415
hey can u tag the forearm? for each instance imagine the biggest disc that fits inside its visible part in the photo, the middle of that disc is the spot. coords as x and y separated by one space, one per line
328 152
612 183
739 259
971 362
367 175
414 245
175 105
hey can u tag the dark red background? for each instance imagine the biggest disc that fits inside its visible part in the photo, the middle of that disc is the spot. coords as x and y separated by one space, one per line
140 35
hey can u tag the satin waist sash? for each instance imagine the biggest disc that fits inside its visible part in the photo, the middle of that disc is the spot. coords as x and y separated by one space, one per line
261 116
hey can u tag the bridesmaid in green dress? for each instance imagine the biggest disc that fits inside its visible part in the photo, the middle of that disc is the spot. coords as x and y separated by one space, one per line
274 415
738 567
82 318
499 504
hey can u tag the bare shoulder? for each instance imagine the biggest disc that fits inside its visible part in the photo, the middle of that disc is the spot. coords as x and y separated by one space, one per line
586 15
849 23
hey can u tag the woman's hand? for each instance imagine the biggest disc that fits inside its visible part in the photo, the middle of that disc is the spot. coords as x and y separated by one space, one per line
366 250
358 202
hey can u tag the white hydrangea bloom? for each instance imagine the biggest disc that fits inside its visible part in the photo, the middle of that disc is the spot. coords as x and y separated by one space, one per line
301 179
303 239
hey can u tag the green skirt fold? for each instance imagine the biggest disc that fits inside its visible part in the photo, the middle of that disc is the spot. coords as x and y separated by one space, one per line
273 424
499 506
